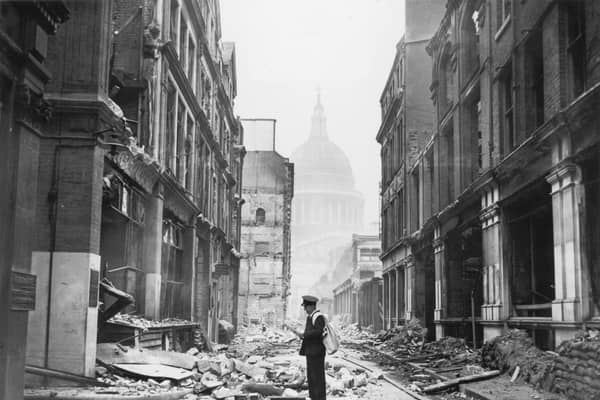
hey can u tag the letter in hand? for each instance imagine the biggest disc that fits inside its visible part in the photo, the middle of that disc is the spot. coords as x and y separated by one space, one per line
293 329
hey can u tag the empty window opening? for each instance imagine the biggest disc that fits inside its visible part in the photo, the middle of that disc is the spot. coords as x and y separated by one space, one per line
261 248
447 161
171 293
507 111
447 83
576 48
531 253
470 41
534 81
591 179
260 216
464 276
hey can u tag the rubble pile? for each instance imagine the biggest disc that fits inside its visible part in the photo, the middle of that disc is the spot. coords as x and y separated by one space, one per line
577 368
137 321
516 349
354 334
125 386
404 339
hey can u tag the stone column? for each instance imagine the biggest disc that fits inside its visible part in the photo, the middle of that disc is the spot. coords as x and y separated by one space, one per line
153 253
495 287
440 282
386 306
399 295
411 290
571 298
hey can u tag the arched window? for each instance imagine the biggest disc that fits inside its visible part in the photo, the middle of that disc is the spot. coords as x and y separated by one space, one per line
260 216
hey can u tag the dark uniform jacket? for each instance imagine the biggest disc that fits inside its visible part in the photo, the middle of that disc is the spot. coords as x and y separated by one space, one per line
312 344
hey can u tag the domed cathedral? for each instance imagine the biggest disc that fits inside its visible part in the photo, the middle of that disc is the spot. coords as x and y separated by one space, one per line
327 207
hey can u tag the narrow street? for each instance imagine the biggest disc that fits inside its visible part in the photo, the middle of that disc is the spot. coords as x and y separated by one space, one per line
196 192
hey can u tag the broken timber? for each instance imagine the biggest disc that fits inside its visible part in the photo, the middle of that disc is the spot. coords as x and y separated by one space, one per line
463 379
53 373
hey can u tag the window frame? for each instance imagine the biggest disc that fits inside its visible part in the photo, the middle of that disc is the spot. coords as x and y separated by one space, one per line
575 44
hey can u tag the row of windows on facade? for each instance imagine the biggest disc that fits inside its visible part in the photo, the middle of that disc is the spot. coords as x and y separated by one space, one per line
393 89
532 99
180 153
192 61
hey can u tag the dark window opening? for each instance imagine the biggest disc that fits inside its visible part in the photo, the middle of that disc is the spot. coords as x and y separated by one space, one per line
447 83
172 301
173 21
470 42
260 216
447 166
534 81
576 48
531 254
169 148
188 154
507 112
591 179
11 21
464 250
180 141
415 200
182 40
261 248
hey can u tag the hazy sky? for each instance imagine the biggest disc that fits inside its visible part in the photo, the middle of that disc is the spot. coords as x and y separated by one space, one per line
286 49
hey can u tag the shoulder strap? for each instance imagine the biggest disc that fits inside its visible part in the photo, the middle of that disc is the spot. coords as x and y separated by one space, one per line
316 315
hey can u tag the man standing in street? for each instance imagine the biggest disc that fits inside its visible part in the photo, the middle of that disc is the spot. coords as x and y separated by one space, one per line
312 347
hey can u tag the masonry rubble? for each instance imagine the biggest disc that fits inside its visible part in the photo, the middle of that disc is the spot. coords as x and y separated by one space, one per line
247 369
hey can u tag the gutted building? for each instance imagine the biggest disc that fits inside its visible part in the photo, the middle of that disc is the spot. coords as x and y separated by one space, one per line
359 297
405 134
266 237
515 87
131 159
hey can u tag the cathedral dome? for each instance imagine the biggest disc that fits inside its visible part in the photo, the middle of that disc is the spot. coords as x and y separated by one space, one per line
319 163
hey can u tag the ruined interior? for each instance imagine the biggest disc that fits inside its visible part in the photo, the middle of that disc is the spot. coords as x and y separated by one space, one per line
530 255
591 179
121 241
464 278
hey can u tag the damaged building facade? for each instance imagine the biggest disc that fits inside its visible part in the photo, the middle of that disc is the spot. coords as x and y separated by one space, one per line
406 128
131 193
265 274
359 297
513 169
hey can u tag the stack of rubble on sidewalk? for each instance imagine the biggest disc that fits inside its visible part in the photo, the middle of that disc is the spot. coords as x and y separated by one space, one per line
351 333
403 340
576 370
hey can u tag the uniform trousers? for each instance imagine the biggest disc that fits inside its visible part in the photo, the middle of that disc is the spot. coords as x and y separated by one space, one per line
315 371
